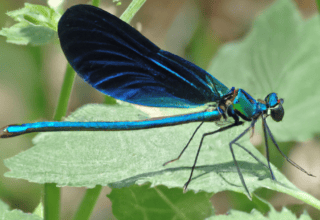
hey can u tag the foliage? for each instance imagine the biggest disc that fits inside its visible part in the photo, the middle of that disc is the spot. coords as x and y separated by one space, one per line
281 51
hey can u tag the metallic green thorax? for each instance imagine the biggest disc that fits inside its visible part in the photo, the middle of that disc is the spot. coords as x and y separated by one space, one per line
248 108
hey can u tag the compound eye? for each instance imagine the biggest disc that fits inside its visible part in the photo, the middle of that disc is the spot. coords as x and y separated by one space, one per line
278 112
271 100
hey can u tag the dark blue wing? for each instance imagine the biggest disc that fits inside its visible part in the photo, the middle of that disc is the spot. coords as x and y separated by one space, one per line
117 60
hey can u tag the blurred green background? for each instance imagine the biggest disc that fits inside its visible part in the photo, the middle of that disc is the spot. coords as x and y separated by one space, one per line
31 78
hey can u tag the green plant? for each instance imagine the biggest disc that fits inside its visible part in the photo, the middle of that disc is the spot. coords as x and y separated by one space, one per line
280 50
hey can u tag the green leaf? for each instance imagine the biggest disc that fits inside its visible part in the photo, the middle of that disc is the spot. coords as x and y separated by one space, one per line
37 25
121 159
36 15
143 202
235 214
39 210
255 215
18 214
15 214
3 209
24 33
280 54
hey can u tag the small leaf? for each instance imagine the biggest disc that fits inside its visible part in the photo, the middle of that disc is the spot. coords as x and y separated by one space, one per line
37 25
36 15
24 33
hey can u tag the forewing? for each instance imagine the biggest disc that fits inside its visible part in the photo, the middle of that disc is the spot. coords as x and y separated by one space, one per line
117 60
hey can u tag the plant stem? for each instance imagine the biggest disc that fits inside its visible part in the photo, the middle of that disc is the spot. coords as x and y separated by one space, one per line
65 93
88 202
132 9
51 192
51 202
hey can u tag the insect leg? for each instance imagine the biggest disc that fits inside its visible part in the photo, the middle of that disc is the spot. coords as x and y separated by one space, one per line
234 158
266 145
185 146
199 148
275 143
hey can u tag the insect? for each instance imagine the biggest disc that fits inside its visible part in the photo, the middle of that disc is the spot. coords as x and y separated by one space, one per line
117 60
